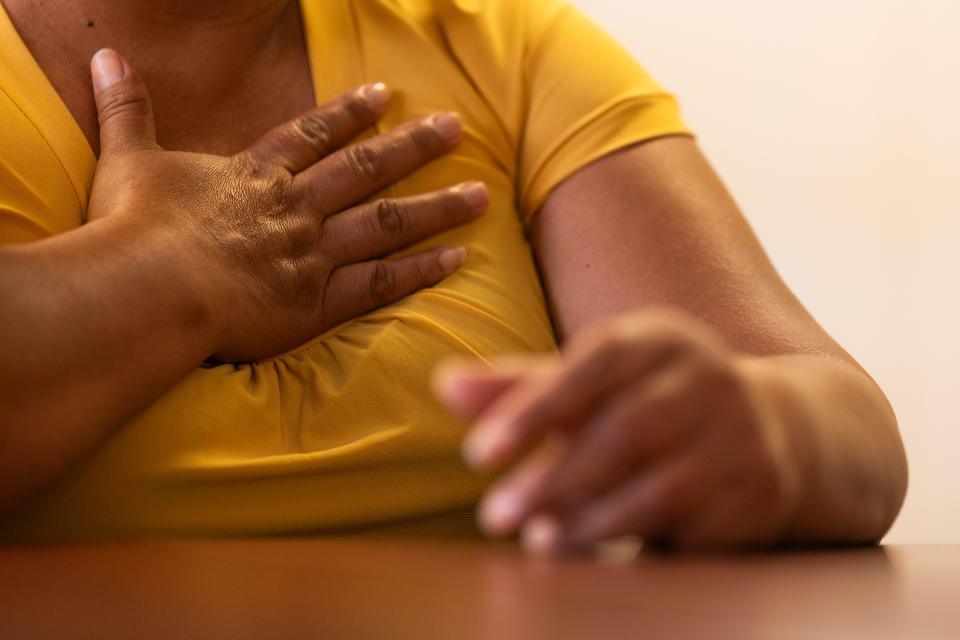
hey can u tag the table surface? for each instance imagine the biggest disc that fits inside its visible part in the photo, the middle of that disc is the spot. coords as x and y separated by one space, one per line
341 588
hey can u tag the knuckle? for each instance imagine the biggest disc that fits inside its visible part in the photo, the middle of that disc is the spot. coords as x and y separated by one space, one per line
304 293
717 374
383 283
669 393
304 236
247 166
591 340
601 349
316 129
392 220
356 109
597 362
122 99
670 337
424 139
435 270
277 185
419 273
365 161
613 345
454 205
266 188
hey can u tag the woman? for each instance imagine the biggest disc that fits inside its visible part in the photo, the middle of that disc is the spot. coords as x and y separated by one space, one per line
221 316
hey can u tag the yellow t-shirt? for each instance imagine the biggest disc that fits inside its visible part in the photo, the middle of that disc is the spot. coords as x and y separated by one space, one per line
344 432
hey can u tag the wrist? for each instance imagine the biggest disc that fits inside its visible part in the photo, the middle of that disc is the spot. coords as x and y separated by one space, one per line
169 267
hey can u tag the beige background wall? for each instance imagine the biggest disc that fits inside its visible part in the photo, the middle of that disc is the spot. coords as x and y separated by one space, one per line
835 124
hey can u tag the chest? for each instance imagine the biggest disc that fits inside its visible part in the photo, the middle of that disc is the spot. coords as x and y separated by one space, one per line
213 90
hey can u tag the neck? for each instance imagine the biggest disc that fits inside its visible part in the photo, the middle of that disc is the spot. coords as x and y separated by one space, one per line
218 41
208 63
237 23
244 14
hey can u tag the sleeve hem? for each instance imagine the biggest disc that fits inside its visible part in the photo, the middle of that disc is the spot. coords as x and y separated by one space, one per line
628 123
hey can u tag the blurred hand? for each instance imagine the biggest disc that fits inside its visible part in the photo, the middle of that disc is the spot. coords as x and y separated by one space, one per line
278 242
647 425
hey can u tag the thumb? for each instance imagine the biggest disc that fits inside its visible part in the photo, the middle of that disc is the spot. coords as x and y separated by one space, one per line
123 105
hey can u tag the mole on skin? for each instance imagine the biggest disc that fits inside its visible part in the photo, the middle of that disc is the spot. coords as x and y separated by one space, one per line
89 23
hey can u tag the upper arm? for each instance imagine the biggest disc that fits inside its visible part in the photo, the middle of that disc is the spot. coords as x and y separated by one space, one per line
622 208
653 225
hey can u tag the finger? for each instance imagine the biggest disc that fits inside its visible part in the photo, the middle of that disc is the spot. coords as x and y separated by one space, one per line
357 172
468 397
469 387
388 225
542 535
360 288
634 427
641 424
503 508
300 143
650 504
565 400
123 103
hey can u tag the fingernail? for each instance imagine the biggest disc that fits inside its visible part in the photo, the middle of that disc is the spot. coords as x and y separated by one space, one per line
448 125
501 512
452 259
107 69
541 536
476 195
377 96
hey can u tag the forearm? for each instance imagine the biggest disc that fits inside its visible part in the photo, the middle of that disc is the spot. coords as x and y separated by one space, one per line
843 436
95 324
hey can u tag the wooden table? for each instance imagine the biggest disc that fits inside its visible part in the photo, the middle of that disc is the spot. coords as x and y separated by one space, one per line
335 588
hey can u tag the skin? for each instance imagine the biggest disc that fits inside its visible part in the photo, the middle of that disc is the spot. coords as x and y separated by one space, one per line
695 401
220 74
175 273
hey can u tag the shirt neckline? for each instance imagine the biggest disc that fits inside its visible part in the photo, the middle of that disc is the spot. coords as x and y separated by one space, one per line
28 87
335 66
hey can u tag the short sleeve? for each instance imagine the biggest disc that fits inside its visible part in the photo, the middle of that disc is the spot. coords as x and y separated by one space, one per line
568 91
587 97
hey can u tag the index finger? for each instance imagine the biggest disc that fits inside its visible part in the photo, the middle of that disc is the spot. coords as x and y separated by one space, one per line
355 173
561 397
469 387
298 144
